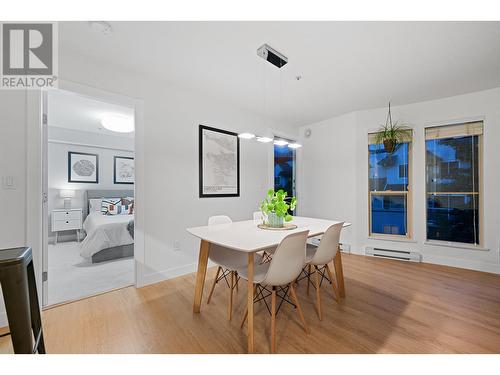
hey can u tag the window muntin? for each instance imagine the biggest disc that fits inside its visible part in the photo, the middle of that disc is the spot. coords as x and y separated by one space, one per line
453 172
389 190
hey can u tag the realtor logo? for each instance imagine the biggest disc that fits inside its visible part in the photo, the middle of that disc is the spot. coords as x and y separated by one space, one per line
28 55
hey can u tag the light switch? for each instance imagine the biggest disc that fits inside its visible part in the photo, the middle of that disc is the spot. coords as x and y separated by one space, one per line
8 182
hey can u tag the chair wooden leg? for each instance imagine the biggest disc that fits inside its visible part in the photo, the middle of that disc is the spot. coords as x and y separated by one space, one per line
236 277
318 294
213 285
334 287
299 309
308 277
273 320
244 318
231 293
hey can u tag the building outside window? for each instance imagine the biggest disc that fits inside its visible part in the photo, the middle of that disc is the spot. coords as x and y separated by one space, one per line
284 170
389 180
453 182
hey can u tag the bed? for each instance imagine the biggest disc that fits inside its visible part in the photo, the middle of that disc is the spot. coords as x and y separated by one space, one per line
108 237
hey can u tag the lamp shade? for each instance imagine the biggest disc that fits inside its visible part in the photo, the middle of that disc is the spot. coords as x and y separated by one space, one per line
66 193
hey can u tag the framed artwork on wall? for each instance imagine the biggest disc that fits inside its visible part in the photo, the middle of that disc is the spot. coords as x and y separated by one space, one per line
219 163
123 170
83 167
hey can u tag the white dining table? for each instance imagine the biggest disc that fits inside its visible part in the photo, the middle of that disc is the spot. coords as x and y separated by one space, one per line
247 237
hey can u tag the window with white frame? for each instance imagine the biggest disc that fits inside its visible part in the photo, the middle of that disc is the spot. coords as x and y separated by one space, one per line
453 182
389 189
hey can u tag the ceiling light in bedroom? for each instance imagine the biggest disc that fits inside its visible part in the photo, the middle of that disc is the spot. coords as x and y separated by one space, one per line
264 139
280 142
246 135
295 145
118 123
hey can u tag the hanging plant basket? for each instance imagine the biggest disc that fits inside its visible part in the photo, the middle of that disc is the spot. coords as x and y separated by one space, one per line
389 145
391 134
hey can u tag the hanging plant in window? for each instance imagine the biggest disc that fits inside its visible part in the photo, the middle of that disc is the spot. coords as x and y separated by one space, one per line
392 134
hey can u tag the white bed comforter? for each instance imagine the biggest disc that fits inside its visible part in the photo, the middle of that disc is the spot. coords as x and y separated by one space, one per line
105 231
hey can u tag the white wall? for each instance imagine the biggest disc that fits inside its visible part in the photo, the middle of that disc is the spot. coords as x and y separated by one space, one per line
172 116
327 174
345 138
61 141
12 163
171 119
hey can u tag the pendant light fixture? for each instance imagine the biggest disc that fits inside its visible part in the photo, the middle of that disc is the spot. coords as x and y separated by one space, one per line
246 135
277 59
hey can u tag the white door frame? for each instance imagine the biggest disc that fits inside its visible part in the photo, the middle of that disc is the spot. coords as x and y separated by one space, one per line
36 213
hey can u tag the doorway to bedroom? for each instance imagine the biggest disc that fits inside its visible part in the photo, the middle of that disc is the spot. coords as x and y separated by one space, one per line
89 178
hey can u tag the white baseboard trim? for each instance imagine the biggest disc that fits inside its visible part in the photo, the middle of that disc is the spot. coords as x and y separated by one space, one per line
3 319
448 261
462 263
156 277
357 251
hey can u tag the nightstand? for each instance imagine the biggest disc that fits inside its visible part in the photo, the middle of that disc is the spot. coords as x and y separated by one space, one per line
70 219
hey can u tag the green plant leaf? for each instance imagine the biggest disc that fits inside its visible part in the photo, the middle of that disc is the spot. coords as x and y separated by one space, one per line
288 217
276 203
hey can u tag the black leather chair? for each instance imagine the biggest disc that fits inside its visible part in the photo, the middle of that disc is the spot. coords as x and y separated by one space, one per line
17 278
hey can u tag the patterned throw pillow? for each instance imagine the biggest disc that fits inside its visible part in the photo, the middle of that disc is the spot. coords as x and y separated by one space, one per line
129 201
107 202
119 209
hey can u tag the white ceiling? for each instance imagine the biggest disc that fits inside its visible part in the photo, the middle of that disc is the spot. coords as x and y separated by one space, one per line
345 66
77 112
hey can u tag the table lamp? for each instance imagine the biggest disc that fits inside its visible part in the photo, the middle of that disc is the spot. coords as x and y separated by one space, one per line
67 195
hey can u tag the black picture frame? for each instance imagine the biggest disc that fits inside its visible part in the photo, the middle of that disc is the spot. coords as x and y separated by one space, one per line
71 180
115 158
203 128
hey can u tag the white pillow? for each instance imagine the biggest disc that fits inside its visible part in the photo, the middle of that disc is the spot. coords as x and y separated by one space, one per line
95 205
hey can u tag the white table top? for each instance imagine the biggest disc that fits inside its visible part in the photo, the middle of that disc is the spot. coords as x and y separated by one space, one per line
246 236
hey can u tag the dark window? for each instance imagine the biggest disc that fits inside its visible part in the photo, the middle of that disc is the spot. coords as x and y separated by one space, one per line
389 214
388 184
385 168
284 169
452 173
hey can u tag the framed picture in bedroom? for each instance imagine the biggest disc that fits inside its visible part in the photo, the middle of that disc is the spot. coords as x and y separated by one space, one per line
83 167
219 163
123 170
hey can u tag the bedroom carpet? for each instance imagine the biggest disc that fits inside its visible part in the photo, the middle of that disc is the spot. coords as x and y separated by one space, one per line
72 277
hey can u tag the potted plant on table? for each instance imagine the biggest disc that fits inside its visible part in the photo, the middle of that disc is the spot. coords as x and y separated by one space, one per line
275 209
391 134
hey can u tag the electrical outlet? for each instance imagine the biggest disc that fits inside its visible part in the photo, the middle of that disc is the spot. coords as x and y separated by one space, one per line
177 245
8 182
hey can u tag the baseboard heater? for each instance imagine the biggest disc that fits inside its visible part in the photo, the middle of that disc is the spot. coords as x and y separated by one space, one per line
409 256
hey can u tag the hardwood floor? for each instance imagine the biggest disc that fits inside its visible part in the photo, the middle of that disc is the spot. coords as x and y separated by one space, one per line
390 307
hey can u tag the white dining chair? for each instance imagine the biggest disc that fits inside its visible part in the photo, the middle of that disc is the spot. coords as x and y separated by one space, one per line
258 216
228 262
318 259
277 277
